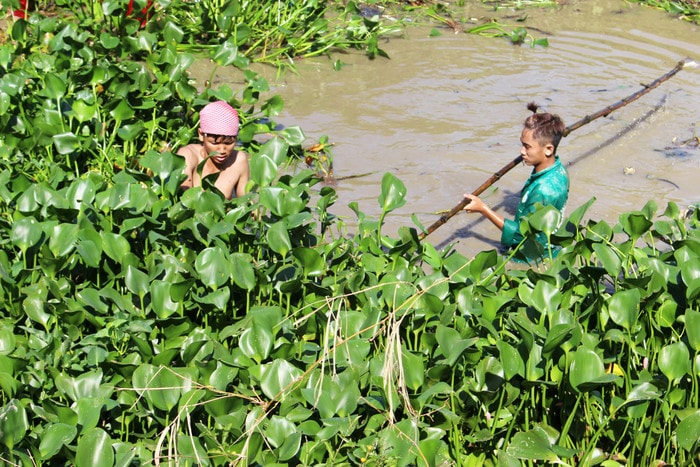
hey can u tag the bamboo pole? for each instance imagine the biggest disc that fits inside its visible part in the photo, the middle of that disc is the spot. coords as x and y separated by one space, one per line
585 120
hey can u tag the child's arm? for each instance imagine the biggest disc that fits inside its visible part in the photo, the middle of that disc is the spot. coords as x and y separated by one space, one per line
190 166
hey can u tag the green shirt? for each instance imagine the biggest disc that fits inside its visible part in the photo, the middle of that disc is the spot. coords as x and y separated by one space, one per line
548 187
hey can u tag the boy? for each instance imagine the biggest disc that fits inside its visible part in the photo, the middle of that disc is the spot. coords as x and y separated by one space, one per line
218 130
548 182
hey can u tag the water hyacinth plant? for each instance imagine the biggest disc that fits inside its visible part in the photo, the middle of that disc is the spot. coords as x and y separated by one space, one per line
142 325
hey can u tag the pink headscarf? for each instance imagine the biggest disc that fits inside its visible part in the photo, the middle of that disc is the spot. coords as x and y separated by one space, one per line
218 118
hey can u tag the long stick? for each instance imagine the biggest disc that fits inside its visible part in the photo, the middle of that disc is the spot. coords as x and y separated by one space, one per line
585 120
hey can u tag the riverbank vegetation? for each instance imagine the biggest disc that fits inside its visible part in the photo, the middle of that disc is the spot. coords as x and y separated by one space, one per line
142 325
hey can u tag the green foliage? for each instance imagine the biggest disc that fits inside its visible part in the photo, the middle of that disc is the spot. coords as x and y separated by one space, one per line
140 324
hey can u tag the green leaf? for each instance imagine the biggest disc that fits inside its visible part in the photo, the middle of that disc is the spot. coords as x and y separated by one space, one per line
311 262
136 281
413 369
115 246
587 371
162 301
278 378
95 448
13 423
25 233
55 437
451 343
393 193
623 307
688 431
212 265
674 360
243 271
66 143
692 328
278 238
63 239
532 445
158 385
263 170
608 258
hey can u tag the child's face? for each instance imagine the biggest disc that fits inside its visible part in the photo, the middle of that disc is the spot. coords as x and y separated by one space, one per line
218 146
534 153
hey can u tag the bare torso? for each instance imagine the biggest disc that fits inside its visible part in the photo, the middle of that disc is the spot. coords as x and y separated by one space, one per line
233 169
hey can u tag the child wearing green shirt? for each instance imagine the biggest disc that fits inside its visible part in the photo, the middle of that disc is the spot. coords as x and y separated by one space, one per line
548 183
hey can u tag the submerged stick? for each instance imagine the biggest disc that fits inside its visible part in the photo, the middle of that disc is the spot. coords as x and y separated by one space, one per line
585 120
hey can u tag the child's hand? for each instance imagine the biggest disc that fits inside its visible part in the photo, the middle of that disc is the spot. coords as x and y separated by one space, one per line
475 204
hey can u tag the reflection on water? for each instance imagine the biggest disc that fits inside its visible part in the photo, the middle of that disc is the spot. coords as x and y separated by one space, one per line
444 113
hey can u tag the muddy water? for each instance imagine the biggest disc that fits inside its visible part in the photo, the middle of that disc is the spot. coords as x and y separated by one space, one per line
445 113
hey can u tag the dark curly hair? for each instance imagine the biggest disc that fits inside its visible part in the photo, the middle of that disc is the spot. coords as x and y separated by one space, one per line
546 127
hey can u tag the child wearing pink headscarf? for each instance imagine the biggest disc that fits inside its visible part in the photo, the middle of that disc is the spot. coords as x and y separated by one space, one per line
218 131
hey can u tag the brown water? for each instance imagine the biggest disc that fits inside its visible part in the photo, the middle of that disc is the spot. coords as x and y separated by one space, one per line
444 113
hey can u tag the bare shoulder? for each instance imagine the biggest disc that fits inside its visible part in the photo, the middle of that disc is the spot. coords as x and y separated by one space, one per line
191 150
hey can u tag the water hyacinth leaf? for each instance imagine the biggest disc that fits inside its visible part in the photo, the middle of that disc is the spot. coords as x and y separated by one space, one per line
13 423
278 429
35 303
162 299
66 143
90 247
511 361
136 281
688 431
413 369
293 135
674 360
63 239
89 410
587 371
311 262
226 53
556 335
692 328
190 447
54 86
243 271
623 308
158 385
278 378
122 111
86 385
25 233
275 148
262 321
115 246
643 392
256 341
273 106
82 111
608 258
545 219
8 340
393 193
172 33
55 437
451 343
263 171
635 224
219 298
532 445
94 448
278 238
212 265
109 41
